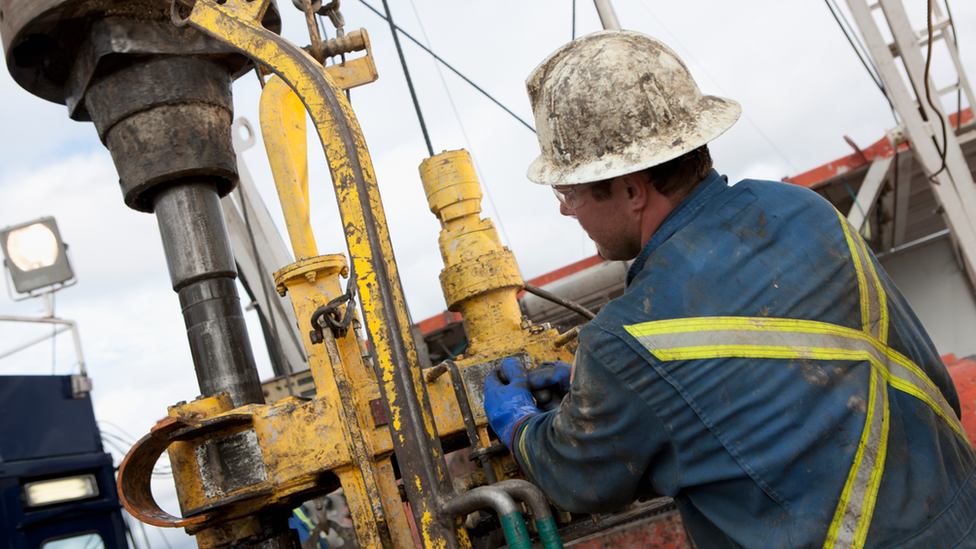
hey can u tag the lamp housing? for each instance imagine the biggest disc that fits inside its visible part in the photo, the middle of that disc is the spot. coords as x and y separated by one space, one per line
35 255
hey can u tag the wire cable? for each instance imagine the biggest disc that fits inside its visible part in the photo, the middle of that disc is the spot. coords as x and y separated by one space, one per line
162 535
457 115
446 64
128 530
132 439
549 296
859 50
574 19
944 149
406 73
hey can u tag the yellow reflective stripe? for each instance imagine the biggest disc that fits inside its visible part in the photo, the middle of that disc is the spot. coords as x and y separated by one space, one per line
861 282
300 513
882 306
874 302
742 337
855 508
521 446
877 471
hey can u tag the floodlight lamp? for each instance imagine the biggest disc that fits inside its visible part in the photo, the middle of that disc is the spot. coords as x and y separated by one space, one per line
60 490
35 255
32 247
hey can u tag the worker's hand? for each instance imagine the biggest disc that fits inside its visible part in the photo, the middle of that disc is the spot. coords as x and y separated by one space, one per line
550 383
508 399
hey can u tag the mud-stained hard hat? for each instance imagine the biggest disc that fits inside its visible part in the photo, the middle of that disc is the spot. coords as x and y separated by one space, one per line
616 102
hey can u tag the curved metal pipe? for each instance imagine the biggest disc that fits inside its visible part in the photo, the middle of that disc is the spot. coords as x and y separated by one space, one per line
524 490
479 498
504 506
545 524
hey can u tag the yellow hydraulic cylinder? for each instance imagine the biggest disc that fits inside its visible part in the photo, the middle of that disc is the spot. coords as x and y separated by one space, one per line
481 281
480 277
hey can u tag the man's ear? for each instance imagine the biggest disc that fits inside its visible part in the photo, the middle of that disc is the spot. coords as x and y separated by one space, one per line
635 189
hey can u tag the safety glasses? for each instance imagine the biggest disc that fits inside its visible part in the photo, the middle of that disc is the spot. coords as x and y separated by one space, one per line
568 195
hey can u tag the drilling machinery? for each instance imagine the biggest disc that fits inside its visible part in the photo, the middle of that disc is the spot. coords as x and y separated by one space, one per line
154 76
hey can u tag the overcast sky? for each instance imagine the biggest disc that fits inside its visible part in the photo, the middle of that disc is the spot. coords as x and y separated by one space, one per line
799 82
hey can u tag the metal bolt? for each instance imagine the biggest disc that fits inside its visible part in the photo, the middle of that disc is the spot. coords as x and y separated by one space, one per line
310 276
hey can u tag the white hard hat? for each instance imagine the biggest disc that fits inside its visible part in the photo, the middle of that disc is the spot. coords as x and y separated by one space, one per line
616 102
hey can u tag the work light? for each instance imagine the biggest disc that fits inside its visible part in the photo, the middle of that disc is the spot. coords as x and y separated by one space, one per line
35 255
60 490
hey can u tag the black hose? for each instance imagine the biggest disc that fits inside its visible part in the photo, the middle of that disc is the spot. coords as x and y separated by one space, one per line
572 305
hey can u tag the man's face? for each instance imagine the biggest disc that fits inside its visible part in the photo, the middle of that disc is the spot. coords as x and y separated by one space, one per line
609 223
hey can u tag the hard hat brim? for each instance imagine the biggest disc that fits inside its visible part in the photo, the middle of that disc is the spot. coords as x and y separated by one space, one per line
713 117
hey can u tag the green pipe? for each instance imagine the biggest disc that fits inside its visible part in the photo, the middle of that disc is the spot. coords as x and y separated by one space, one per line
549 533
515 533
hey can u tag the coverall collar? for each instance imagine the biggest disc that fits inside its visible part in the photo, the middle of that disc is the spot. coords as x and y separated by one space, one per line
679 217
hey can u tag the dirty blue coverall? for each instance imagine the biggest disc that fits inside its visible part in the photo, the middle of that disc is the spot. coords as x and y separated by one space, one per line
763 371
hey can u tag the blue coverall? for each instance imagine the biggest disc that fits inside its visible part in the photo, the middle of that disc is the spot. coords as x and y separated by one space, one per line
764 371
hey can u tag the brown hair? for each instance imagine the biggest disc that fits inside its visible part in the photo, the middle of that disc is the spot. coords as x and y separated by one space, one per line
675 179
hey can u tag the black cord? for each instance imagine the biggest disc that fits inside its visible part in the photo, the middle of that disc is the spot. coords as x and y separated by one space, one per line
452 69
944 150
571 305
403 62
574 19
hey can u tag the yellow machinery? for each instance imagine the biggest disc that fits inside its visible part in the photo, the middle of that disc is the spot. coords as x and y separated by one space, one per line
239 468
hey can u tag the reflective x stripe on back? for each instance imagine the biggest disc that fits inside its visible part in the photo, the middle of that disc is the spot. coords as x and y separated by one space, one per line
771 338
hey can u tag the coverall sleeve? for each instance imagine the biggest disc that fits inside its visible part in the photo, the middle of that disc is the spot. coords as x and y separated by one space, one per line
592 454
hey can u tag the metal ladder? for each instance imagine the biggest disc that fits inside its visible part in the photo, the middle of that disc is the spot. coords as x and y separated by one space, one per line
953 187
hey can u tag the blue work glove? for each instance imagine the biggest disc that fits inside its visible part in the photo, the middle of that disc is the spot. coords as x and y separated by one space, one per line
550 383
508 399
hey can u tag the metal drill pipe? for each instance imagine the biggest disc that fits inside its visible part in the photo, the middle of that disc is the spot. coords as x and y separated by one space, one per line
202 270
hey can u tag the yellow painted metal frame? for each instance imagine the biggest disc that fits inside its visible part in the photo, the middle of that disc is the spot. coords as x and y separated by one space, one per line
301 441
236 23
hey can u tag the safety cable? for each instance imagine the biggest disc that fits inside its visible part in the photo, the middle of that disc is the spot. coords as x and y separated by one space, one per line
464 133
549 296
406 73
944 149
574 20
446 64
859 49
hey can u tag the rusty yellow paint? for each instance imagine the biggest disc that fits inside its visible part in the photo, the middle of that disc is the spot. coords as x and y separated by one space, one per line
355 72
340 375
302 439
481 281
285 140
429 543
480 278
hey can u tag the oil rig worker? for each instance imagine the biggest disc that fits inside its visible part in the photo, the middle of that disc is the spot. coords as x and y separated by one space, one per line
760 368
